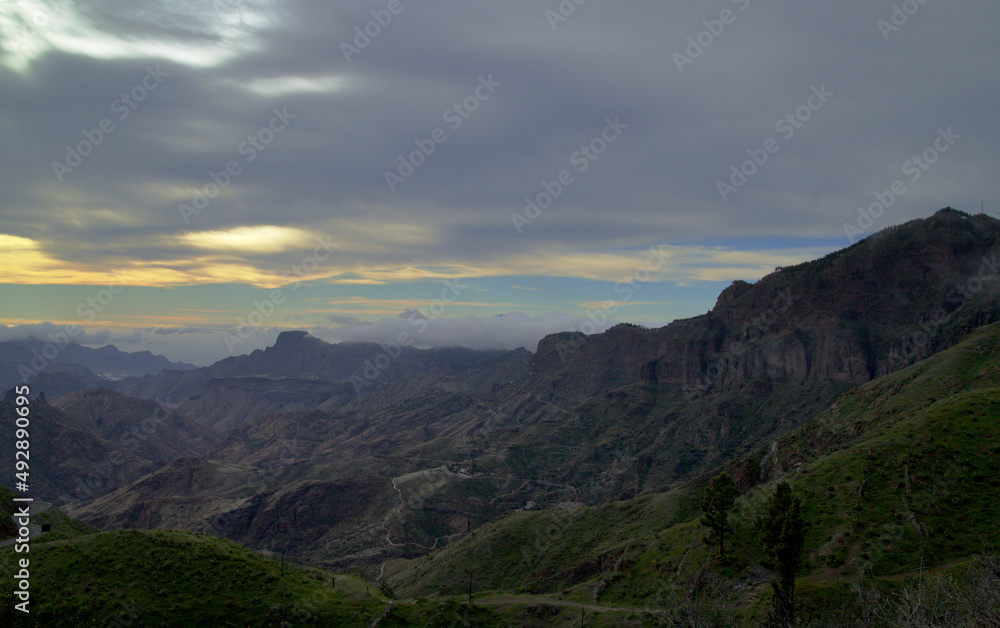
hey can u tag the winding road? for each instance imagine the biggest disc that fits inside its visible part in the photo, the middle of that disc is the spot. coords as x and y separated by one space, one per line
34 531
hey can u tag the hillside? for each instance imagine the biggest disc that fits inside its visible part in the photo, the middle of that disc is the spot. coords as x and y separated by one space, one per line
146 428
159 579
165 578
53 377
897 474
61 526
68 460
301 372
109 362
430 453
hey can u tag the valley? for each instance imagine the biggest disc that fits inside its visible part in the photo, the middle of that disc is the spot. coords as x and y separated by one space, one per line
552 483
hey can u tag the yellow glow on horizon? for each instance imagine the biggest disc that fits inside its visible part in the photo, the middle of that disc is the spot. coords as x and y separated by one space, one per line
260 239
230 257
597 305
8 242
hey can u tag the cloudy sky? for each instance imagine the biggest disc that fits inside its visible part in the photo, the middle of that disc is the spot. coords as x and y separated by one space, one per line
193 177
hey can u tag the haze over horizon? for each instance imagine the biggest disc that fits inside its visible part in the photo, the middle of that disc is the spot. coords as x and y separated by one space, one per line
177 175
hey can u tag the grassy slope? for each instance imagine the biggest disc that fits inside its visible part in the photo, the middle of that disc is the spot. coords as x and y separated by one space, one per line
163 578
172 578
912 466
923 442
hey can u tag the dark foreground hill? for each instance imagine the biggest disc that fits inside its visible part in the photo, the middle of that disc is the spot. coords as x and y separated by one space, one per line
165 578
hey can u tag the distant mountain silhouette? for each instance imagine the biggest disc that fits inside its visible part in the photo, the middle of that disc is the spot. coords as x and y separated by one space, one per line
57 370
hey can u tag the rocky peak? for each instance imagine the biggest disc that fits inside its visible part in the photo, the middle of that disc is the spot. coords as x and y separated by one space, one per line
292 338
733 292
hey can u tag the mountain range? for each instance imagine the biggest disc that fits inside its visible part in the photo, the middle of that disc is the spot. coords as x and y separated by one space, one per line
57 367
868 377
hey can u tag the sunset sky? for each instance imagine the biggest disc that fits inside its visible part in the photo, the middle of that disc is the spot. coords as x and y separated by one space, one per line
171 168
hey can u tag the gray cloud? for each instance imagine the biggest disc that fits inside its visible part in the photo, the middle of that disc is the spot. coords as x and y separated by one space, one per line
686 129
344 321
324 174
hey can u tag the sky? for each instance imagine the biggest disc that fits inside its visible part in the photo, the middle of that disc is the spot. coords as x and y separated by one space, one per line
192 178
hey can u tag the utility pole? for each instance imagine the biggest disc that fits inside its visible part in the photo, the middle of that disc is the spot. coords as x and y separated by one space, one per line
470 587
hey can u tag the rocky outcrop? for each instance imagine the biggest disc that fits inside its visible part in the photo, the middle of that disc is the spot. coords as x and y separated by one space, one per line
851 316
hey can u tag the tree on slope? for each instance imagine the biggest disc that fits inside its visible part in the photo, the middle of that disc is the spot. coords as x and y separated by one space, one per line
781 527
716 503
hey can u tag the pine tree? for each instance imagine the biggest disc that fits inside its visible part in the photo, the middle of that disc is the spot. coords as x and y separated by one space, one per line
716 503
781 527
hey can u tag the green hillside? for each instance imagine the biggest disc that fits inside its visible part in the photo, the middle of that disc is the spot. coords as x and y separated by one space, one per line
897 474
163 578
170 578
904 468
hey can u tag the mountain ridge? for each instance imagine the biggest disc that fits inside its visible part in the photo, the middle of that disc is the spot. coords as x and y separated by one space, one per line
586 420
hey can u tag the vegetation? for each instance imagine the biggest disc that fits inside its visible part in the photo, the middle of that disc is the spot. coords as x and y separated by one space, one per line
172 578
715 505
478 514
781 528
917 445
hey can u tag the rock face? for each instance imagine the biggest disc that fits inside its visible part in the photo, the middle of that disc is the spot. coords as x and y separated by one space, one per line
853 315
